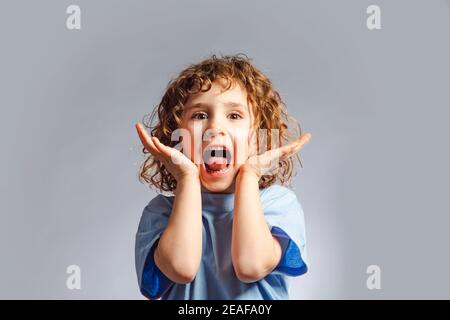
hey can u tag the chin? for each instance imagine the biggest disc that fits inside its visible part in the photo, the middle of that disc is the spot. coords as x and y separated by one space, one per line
218 184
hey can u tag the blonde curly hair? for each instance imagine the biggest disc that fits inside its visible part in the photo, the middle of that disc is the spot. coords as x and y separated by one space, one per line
269 113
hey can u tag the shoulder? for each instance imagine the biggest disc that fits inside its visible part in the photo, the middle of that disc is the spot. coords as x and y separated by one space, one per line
156 212
276 192
277 200
159 203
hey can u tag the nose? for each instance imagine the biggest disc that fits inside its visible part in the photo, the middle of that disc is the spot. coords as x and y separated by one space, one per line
216 127
213 131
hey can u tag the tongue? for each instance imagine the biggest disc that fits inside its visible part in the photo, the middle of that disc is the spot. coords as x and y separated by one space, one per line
217 163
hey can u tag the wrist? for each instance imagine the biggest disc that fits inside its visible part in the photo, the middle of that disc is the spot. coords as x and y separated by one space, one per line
188 177
187 183
248 172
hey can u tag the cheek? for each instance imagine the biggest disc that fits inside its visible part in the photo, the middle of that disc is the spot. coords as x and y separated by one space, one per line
188 144
241 147
195 141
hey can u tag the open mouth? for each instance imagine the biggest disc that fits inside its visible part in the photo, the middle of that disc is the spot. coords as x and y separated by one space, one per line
217 159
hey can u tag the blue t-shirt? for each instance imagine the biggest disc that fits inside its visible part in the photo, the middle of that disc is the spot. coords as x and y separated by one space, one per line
216 278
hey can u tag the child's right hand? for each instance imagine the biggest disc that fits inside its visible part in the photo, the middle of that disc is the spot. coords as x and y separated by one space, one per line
175 161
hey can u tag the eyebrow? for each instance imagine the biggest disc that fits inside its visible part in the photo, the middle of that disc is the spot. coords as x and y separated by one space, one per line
229 104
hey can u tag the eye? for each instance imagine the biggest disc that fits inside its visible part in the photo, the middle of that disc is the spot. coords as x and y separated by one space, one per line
199 116
235 116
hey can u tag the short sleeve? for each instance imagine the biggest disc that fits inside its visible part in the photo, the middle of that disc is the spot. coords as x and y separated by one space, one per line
285 217
152 282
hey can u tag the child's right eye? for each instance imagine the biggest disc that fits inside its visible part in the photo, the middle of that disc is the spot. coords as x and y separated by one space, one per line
199 116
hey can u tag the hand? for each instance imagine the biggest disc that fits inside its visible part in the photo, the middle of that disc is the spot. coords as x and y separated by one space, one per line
267 162
175 161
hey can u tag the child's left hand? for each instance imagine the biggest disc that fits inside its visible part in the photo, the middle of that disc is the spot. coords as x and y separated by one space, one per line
267 162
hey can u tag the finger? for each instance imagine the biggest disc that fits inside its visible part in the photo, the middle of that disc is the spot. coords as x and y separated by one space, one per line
285 152
296 146
267 158
143 135
161 147
146 140
170 153
304 139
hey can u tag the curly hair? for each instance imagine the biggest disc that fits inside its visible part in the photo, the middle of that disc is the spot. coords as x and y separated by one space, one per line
269 110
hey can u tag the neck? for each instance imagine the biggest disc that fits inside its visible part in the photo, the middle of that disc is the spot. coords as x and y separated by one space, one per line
230 189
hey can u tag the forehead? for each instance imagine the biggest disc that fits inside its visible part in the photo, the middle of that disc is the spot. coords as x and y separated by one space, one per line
235 96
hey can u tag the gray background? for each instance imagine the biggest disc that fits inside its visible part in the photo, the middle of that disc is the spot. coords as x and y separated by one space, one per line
375 172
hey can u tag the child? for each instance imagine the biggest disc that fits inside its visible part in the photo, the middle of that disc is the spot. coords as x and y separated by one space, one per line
229 232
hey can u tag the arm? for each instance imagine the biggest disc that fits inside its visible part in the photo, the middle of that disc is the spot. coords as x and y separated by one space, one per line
254 251
178 253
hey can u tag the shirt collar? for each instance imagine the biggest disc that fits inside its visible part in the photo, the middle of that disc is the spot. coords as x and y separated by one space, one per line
217 202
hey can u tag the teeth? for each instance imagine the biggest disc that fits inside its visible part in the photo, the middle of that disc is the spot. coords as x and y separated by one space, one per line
217 152
219 171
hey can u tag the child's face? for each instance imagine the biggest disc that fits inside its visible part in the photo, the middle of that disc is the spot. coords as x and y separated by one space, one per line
222 119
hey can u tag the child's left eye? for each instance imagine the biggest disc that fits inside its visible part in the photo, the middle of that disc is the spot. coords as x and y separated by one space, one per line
235 116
